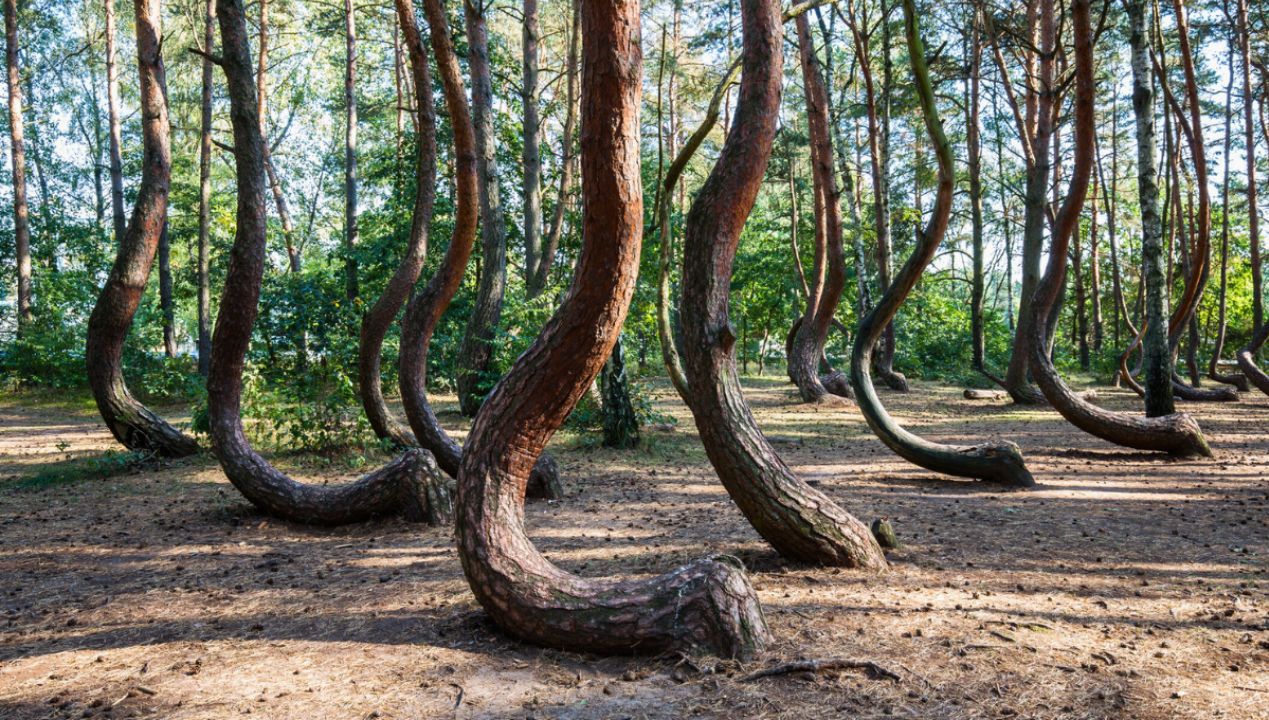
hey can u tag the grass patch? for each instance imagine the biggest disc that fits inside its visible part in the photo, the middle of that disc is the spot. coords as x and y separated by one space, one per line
109 464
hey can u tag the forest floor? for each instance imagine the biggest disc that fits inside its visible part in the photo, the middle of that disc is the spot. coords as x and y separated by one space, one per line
1126 585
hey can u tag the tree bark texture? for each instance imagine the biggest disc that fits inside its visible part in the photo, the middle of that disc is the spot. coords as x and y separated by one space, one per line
17 143
996 462
425 309
621 425
800 522
410 485
133 424
531 157
204 193
1178 434
376 323
476 352
708 604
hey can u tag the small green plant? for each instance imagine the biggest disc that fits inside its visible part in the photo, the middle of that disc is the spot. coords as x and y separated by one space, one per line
98 467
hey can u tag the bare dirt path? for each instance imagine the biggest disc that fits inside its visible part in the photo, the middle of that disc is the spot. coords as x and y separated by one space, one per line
1124 586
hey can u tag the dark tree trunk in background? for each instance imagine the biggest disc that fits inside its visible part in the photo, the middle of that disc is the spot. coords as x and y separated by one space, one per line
551 244
113 109
133 424
428 305
1176 434
621 425
800 522
352 231
974 169
21 213
706 605
476 353
1156 359
166 304
204 194
1095 273
376 323
998 462
410 485
531 189
830 260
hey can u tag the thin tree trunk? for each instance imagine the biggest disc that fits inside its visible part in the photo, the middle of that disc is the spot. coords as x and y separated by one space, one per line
476 352
531 189
621 425
997 462
425 309
1253 218
204 193
800 522
1177 434
410 485
113 109
1218 343
166 303
21 213
707 605
352 231
133 424
376 323
275 182
551 245
974 168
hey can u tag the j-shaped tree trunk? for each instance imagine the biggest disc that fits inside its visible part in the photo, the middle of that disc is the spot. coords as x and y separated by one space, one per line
375 324
621 425
1178 434
830 261
707 605
800 522
476 352
1247 360
21 213
133 424
429 304
997 462
410 485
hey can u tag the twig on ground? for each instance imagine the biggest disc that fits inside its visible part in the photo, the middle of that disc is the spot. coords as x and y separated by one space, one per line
823 665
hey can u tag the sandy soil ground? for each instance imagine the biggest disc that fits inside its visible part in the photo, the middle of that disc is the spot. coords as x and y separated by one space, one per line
1125 586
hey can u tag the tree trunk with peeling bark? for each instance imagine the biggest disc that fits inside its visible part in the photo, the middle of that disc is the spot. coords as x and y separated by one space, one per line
133 424
375 324
1178 434
425 309
707 605
410 485
997 462
800 522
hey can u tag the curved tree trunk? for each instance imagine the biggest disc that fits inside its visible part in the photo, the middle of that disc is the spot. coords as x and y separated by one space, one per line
708 604
830 260
998 462
1247 360
375 325
800 522
133 424
428 305
410 485
1178 434
476 352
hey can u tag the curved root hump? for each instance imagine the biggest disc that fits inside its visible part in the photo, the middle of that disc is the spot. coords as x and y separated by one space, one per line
837 383
544 481
976 394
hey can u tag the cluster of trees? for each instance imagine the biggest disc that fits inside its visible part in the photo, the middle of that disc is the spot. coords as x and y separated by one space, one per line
933 173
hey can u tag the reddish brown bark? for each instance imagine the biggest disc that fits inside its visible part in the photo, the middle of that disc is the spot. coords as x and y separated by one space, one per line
133 424
375 325
1179 433
998 462
428 305
800 522
708 604
410 485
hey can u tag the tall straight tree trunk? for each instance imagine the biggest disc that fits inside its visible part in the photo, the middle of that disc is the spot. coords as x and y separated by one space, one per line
476 352
830 260
621 425
133 424
1249 128
410 485
113 111
275 182
21 213
997 462
1095 273
531 189
1156 357
551 244
974 170
204 193
167 303
707 605
425 309
1176 434
1218 342
378 320
352 232
800 522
